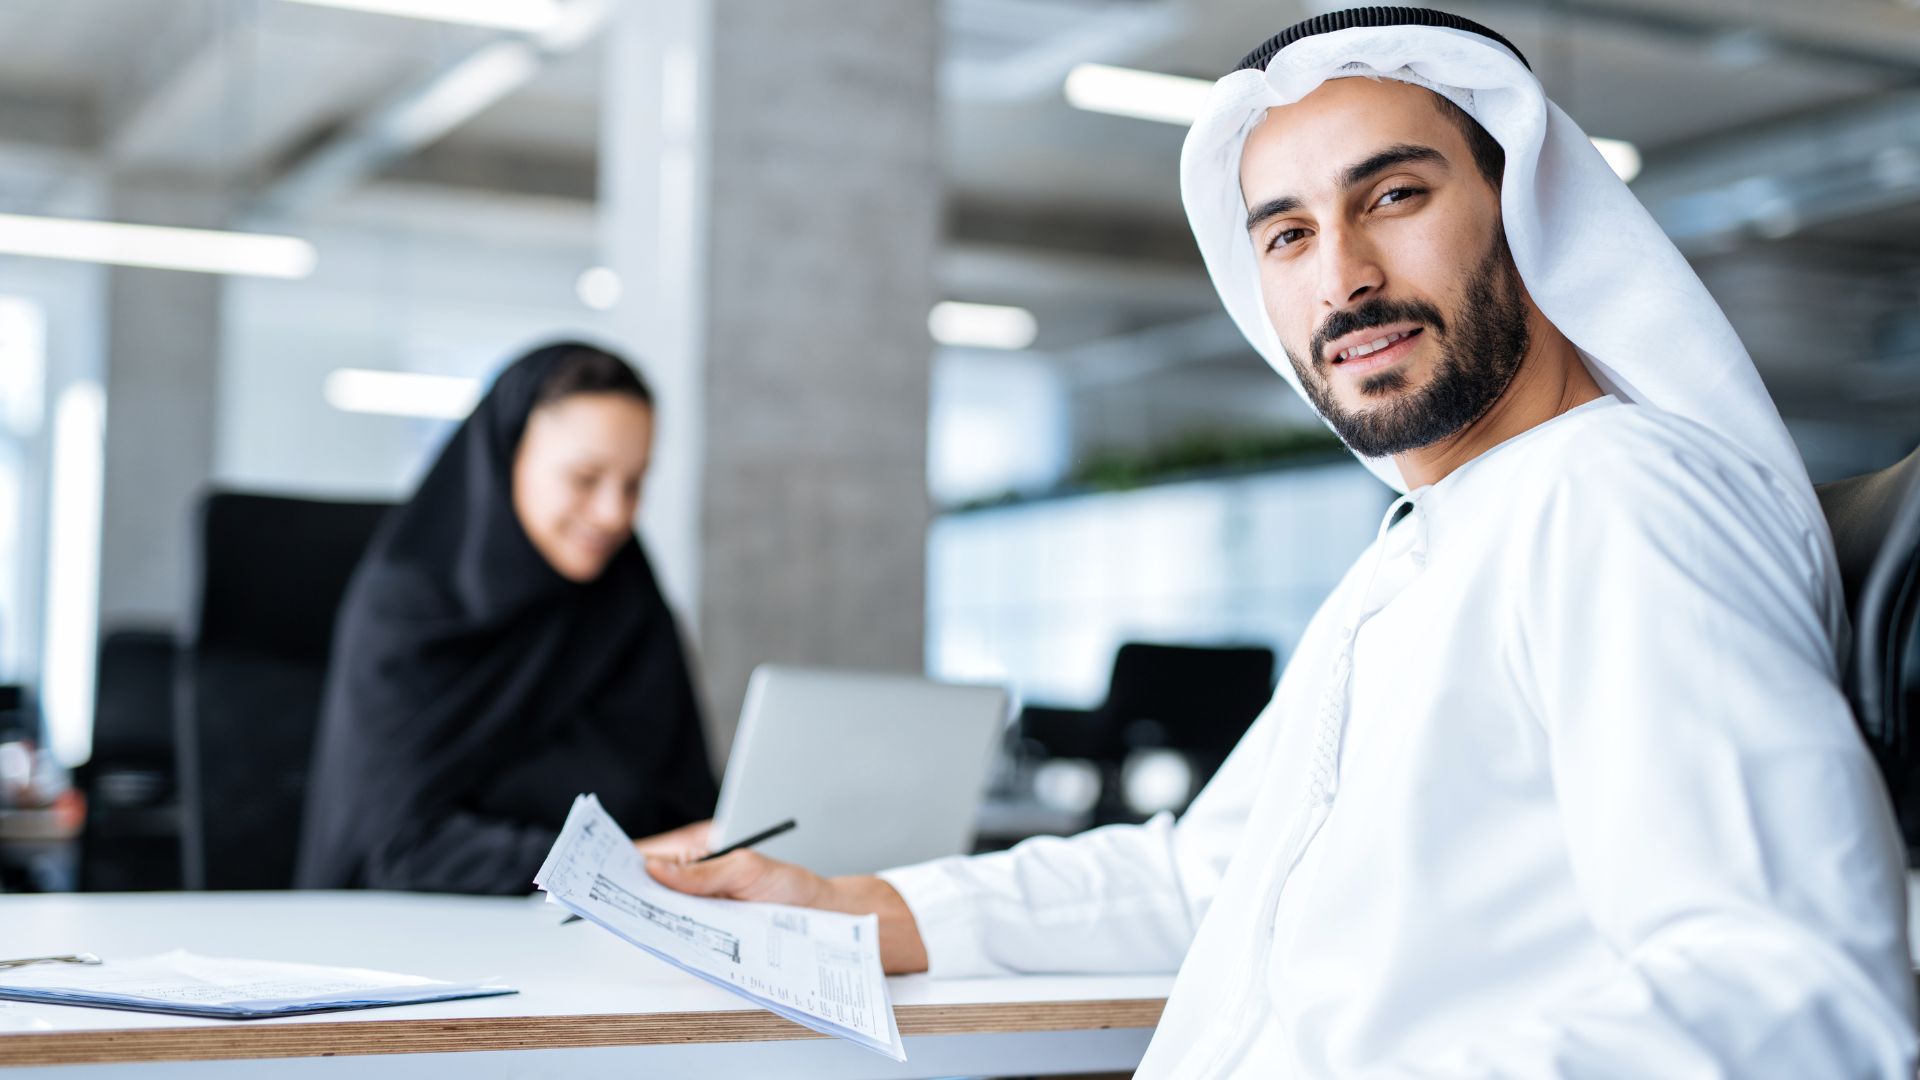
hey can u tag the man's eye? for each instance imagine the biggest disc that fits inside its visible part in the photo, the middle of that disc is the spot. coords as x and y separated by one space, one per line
1399 194
1286 236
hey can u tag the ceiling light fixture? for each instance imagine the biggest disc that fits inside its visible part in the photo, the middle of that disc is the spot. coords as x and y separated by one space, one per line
1622 156
981 326
401 393
529 16
598 287
1143 95
207 251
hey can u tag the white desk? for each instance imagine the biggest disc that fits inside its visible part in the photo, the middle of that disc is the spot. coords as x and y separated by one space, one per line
589 1004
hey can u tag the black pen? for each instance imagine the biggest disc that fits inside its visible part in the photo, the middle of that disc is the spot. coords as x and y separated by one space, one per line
763 835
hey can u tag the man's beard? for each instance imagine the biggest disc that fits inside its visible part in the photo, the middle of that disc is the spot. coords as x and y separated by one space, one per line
1471 373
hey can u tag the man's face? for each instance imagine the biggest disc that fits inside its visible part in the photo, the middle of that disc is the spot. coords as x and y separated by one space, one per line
1383 264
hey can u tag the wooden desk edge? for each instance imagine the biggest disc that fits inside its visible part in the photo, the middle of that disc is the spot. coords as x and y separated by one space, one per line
258 1039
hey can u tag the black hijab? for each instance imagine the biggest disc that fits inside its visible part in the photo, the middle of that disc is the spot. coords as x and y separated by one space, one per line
475 691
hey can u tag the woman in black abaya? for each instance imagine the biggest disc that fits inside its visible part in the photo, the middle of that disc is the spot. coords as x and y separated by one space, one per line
503 647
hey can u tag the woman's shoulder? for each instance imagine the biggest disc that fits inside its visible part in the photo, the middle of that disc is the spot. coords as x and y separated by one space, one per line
398 588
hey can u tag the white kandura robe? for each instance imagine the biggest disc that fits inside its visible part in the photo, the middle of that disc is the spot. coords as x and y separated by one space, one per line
1593 806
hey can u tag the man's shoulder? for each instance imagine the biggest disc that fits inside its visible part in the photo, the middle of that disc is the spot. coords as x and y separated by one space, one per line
1624 455
1630 434
1638 477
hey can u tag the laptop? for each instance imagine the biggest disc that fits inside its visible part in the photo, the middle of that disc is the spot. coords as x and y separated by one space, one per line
878 770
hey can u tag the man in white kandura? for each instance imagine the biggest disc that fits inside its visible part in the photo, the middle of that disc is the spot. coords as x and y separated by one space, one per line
1559 781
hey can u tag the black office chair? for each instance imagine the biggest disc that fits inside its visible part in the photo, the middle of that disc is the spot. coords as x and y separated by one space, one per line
132 838
1876 532
17 718
1193 699
272 572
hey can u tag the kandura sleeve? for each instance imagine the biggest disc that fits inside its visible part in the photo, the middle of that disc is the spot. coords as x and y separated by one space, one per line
1727 828
1124 898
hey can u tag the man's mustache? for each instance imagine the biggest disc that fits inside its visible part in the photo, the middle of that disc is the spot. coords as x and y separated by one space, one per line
1369 315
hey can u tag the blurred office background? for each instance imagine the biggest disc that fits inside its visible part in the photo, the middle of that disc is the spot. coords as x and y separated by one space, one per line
944 386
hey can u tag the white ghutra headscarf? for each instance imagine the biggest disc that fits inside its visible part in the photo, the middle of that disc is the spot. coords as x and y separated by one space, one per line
1590 255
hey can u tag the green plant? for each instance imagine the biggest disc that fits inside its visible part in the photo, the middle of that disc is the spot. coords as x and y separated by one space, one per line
1118 470
1185 456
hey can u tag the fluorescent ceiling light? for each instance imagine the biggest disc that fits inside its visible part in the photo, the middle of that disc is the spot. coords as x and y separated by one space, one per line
401 393
1622 156
207 251
981 326
1177 99
1144 95
598 287
531 16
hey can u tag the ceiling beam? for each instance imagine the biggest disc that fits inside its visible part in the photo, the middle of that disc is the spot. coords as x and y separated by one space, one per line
1028 274
501 170
48 122
1107 233
1127 357
182 70
1039 41
424 111
1773 182
1733 39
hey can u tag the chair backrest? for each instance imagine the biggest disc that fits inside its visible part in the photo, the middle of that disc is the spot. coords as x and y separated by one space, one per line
1875 520
1191 698
132 838
133 699
272 571
16 718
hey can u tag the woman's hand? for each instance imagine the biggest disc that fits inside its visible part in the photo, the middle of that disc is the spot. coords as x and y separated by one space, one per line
685 842
749 875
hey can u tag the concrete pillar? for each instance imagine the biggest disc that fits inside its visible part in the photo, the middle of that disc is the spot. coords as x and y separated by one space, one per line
772 199
653 222
162 368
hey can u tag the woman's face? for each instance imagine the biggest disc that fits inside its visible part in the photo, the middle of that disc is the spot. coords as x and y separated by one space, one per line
577 476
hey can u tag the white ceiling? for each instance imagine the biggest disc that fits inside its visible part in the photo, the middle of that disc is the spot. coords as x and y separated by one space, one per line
237 91
239 84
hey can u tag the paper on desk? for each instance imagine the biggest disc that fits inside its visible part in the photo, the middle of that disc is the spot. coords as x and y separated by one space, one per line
820 969
183 983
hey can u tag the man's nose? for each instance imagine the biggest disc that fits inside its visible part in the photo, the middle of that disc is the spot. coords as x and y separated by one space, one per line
1349 269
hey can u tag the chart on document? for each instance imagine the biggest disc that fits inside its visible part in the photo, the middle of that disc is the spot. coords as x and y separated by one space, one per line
820 969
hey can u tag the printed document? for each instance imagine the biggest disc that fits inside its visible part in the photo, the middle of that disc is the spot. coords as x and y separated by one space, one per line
820 969
188 985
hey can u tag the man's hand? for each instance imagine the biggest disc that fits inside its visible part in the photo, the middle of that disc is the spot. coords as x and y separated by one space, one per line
749 875
685 842
743 875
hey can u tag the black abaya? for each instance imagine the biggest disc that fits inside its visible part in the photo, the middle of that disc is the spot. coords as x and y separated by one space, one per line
474 691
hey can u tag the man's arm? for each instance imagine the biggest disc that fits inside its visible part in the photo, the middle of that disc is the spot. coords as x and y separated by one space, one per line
749 875
1727 830
1105 901
1125 898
